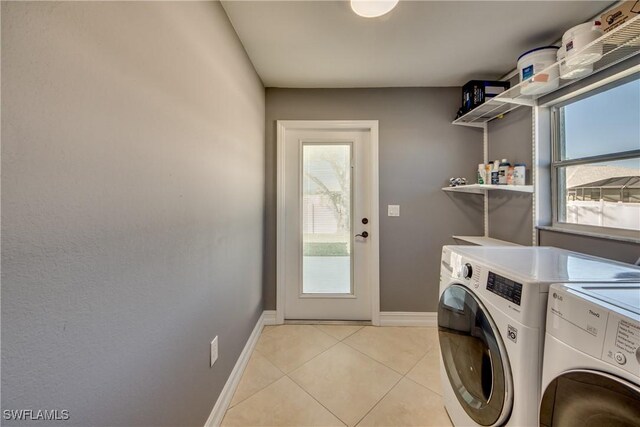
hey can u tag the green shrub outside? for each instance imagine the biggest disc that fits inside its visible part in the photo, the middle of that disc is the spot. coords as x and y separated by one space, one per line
325 249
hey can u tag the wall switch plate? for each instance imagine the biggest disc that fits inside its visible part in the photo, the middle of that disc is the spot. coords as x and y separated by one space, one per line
393 210
214 350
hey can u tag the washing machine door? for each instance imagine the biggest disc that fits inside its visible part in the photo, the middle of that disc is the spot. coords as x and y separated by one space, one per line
474 357
590 399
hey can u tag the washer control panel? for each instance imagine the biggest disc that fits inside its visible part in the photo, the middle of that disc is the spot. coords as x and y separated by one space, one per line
506 288
467 271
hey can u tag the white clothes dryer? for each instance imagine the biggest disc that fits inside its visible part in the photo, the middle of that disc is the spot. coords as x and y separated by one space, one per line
491 319
591 370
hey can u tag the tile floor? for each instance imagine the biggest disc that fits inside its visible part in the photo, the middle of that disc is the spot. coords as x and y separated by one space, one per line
336 375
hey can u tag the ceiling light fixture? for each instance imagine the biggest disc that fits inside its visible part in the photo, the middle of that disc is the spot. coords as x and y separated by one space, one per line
372 8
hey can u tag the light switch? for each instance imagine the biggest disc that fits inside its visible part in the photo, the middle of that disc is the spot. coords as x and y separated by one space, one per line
393 210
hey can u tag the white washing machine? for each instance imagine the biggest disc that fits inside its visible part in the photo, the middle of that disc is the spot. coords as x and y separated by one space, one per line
591 373
491 318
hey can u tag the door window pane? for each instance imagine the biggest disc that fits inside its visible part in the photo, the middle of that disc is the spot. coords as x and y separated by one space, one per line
326 219
604 194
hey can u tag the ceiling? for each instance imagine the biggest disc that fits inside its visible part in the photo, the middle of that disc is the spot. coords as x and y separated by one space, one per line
316 44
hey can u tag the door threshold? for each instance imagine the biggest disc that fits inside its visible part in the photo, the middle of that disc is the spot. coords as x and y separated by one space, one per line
327 322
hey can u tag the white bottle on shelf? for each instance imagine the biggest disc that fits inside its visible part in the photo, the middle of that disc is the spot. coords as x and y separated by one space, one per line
519 174
481 174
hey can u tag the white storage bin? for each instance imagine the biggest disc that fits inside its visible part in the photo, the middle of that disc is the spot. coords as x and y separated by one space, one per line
577 38
533 62
572 72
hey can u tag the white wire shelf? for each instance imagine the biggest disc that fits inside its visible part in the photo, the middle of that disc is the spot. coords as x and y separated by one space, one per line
482 188
618 45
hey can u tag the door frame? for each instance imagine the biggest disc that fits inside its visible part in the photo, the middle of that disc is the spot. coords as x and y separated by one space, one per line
374 225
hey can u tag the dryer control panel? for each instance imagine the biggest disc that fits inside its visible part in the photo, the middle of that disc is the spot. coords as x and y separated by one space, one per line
594 327
622 343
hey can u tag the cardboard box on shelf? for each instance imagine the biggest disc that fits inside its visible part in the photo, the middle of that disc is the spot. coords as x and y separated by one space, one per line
617 16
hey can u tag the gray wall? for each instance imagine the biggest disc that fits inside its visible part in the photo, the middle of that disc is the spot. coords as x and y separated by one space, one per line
132 208
419 151
606 248
510 213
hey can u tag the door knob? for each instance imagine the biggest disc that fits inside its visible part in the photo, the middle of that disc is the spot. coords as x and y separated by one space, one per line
363 234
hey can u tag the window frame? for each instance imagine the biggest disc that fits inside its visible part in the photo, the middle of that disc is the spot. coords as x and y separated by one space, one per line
557 164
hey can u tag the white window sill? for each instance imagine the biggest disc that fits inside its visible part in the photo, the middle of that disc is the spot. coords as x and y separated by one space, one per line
586 233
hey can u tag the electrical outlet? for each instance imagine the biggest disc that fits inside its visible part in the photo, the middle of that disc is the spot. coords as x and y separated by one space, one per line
214 350
393 210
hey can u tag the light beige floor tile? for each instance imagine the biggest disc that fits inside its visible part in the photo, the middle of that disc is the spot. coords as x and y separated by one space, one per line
345 381
283 403
290 346
427 371
258 374
339 332
269 328
408 404
396 347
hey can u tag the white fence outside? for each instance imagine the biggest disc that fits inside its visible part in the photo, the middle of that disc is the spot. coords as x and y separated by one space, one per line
604 214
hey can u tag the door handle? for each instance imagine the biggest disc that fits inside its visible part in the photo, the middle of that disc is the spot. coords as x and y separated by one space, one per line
363 234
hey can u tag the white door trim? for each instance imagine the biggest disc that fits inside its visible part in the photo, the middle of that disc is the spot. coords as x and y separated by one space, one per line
374 239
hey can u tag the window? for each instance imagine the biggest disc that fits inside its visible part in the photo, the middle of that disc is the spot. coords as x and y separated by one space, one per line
596 160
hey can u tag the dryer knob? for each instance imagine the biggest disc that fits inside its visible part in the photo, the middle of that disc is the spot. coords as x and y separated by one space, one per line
467 271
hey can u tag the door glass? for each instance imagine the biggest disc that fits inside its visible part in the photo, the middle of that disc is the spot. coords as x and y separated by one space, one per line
471 355
326 219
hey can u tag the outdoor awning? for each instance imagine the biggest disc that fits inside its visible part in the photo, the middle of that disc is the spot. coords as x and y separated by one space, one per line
613 183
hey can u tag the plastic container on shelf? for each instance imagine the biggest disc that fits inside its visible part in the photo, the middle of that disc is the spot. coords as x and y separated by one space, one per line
519 174
510 176
495 173
481 174
530 65
576 39
503 170
568 72
477 92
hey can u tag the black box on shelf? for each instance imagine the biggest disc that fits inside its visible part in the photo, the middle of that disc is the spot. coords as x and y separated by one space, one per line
476 92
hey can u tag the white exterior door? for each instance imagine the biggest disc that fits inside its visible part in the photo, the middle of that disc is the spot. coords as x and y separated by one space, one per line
327 220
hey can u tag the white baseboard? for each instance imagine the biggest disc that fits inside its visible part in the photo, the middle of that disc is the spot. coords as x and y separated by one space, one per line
270 317
219 409
408 318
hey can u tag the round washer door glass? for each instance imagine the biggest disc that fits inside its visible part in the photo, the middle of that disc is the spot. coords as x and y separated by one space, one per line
590 399
472 358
